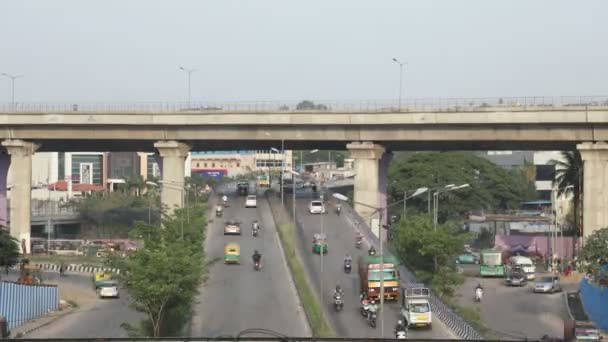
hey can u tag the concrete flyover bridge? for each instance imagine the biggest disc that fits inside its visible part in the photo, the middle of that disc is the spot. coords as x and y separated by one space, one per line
369 130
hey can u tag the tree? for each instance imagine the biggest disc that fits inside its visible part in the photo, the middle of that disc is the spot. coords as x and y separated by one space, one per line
9 249
569 180
163 277
430 251
492 188
593 256
309 105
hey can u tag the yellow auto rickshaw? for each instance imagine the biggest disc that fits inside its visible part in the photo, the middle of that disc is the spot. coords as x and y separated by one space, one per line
100 278
232 253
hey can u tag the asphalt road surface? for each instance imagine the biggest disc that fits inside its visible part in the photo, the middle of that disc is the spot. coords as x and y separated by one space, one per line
235 297
514 312
340 236
94 317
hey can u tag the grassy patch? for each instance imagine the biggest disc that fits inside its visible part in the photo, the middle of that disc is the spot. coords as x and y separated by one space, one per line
58 259
312 307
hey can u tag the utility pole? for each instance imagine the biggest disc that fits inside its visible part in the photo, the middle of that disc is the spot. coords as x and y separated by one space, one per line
400 79
189 71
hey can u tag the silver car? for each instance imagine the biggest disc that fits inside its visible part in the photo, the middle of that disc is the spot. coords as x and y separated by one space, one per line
548 284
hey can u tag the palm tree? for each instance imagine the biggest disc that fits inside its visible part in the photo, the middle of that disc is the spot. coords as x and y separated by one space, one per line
569 180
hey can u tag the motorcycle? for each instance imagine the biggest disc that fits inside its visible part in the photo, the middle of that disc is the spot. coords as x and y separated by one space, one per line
338 302
358 243
478 294
401 334
364 308
347 266
257 265
372 319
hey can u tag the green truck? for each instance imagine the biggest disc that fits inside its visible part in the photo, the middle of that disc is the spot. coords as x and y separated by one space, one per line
370 276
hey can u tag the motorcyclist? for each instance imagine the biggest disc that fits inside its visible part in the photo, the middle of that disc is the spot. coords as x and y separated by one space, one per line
224 199
255 225
338 209
400 327
372 251
372 309
338 292
478 292
257 257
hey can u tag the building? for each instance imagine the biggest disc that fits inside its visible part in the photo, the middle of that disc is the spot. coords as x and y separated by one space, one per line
219 164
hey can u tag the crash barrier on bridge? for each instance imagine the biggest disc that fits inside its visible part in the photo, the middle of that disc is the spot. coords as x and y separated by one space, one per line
452 320
20 303
318 106
243 339
595 301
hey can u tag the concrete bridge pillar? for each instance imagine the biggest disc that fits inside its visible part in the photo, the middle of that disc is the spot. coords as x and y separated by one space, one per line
173 154
21 188
371 178
595 186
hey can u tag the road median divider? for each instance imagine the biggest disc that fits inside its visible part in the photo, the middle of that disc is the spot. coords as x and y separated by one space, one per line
314 312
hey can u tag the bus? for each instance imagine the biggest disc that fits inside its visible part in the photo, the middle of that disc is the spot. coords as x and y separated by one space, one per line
263 181
491 263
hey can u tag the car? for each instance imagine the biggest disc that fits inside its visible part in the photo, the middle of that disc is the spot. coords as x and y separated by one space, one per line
251 202
108 289
516 278
548 284
232 227
467 259
316 207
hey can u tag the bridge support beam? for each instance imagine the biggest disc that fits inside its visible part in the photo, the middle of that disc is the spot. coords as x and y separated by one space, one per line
21 189
595 186
173 154
371 180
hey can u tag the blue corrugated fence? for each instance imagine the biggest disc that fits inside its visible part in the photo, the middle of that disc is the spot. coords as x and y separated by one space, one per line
21 303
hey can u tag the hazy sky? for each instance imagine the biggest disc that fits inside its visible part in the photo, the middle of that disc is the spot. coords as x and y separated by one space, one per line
130 50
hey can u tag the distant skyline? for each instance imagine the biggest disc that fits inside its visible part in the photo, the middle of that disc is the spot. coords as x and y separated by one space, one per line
128 51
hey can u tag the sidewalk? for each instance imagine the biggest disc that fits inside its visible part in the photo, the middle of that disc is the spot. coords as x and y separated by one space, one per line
40 322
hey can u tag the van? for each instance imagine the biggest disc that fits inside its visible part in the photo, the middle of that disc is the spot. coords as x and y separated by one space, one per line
525 264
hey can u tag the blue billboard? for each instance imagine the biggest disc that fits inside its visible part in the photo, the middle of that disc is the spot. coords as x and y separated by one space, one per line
215 173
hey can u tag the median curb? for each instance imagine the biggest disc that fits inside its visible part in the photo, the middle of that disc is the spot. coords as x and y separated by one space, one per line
76 268
307 326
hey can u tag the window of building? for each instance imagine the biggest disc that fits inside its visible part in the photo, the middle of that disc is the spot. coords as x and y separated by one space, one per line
197 165
545 172
205 165
212 164
238 164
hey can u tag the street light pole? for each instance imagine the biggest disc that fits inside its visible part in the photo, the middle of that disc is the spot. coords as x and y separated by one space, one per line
13 78
400 79
189 71
282 167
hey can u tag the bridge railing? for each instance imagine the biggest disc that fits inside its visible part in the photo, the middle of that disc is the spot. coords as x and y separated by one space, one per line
316 106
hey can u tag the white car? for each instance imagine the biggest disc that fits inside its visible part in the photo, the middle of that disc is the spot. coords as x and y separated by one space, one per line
251 202
316 207
109 290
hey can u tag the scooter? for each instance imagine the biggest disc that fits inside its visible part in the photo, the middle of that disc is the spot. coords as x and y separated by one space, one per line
478 295
364 308
338 303
358 244
347 266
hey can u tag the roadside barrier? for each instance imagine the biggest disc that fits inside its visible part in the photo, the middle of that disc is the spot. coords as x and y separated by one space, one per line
20 303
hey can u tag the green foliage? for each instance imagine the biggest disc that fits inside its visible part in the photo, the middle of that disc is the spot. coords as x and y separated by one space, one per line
569 179
310 105
113 214
430 252
9 249
492 188
594 256
164 276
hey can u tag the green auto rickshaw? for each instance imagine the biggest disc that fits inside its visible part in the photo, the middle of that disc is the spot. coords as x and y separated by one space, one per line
319 243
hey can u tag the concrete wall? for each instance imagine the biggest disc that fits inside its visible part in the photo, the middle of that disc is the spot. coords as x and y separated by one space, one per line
21 303
595 300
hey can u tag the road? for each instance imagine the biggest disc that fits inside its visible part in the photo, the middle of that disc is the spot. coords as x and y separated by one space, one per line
340 236
94 317
514 312
235 297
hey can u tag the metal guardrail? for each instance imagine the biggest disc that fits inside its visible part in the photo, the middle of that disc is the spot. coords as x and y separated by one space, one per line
234 339
317 106
21 303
